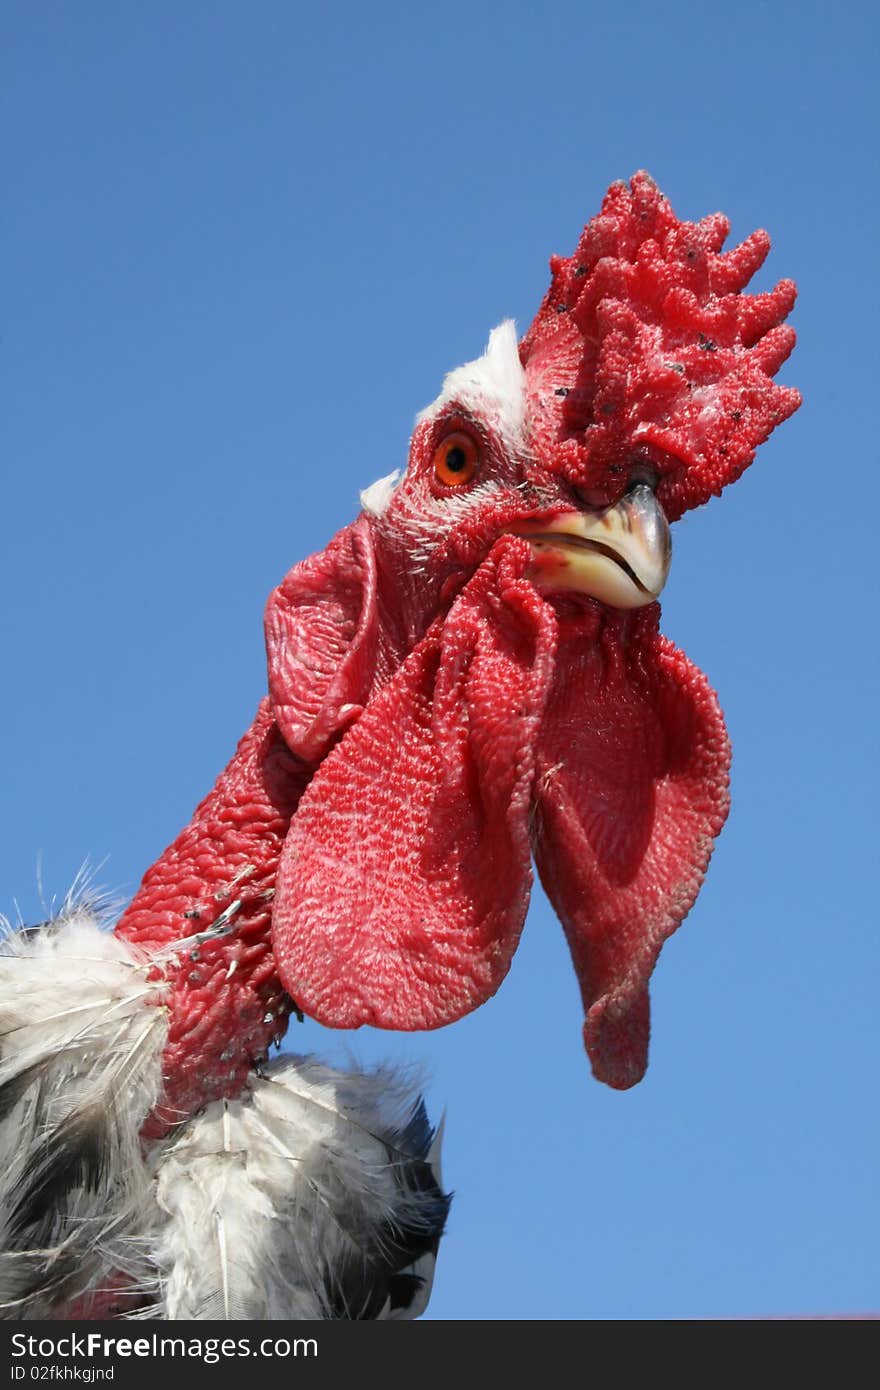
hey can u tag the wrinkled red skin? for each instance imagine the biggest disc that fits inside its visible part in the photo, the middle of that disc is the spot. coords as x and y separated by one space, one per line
221 1024
429 726
629 804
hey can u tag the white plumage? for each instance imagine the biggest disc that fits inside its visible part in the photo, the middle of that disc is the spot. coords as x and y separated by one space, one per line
314 1194
301 1193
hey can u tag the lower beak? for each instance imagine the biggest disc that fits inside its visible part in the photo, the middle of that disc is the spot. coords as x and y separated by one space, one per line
620 556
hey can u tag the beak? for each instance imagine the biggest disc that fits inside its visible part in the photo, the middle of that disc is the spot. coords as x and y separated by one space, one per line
620 556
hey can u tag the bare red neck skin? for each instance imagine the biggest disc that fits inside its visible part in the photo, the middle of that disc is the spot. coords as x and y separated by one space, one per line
226 1004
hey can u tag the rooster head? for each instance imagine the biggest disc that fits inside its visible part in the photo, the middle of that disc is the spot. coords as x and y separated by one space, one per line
474 667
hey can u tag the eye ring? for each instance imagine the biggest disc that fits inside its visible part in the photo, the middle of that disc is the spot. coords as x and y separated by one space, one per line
456 459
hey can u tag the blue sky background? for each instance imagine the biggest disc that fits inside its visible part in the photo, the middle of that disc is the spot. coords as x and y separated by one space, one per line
242 246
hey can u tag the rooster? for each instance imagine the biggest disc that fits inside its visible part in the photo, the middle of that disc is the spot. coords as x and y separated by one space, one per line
469 675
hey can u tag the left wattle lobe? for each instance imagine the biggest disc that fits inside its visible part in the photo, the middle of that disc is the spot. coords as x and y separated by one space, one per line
405 877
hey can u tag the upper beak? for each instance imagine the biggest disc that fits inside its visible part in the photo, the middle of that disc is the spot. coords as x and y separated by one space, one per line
620 556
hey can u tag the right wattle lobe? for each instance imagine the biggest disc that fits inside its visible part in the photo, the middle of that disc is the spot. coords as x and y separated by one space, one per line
632 792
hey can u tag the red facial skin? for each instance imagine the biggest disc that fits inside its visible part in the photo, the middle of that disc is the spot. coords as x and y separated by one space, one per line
434 718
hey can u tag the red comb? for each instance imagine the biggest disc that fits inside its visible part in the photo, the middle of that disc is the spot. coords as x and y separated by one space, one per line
645 348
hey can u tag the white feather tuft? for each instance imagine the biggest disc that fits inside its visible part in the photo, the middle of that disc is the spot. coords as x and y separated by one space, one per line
375 498
492 386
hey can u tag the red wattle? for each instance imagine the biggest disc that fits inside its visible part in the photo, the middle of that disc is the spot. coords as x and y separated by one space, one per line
632 791
405 877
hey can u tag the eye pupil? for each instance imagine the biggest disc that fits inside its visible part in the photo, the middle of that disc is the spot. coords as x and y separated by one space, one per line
456 459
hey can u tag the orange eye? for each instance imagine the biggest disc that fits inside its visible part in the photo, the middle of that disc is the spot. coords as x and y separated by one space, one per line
456 460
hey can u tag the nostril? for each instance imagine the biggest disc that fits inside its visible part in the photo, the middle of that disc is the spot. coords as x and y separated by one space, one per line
589 499
642 474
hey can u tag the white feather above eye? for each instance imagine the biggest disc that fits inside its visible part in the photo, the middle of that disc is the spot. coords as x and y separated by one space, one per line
492 386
